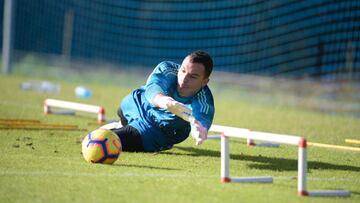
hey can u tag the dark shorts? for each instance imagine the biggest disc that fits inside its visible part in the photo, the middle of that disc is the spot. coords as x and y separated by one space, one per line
129 136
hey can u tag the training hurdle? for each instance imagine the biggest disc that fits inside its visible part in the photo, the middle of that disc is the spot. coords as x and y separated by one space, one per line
100 111
227 132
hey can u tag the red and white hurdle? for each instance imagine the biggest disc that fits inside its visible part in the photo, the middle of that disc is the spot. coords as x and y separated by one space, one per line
100 111
227 132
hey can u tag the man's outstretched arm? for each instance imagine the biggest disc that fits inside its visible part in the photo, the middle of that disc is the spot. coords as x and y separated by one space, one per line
198 131
168 103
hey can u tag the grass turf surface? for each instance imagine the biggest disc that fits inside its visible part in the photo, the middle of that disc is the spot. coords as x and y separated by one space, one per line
47 165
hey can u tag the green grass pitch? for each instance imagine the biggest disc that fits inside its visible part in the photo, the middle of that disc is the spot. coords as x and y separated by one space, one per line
47 165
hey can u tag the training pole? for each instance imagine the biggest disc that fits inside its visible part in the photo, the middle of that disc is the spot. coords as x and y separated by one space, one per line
302 168
355 149
352 141
225 157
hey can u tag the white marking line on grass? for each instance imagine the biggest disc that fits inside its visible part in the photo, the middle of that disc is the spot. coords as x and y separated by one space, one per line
175 175
82 174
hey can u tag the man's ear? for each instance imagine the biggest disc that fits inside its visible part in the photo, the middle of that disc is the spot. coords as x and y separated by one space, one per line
205 82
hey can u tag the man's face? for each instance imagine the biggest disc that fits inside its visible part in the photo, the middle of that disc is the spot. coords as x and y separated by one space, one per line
191 78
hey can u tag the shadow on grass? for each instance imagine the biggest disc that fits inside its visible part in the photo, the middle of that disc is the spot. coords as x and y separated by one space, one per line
264 162
355 192
146 167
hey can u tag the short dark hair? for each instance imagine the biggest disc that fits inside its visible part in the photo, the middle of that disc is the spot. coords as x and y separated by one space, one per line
202 58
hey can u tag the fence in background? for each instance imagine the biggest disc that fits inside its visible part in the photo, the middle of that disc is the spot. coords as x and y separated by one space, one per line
317 39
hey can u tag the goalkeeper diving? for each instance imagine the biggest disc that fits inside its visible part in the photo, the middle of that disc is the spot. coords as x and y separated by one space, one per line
174 103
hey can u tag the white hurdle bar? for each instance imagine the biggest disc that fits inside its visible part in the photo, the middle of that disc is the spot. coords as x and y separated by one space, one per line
251 142
272 137
100 111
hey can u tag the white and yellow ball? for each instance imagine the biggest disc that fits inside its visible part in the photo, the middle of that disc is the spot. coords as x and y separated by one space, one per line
101 146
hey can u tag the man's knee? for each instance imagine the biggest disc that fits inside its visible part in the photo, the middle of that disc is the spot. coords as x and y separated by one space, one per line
130 139
113 125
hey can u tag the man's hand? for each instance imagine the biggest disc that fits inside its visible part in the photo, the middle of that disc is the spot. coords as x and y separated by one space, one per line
198 132
173 106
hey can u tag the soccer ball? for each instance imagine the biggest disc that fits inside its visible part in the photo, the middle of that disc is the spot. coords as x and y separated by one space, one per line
101 146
